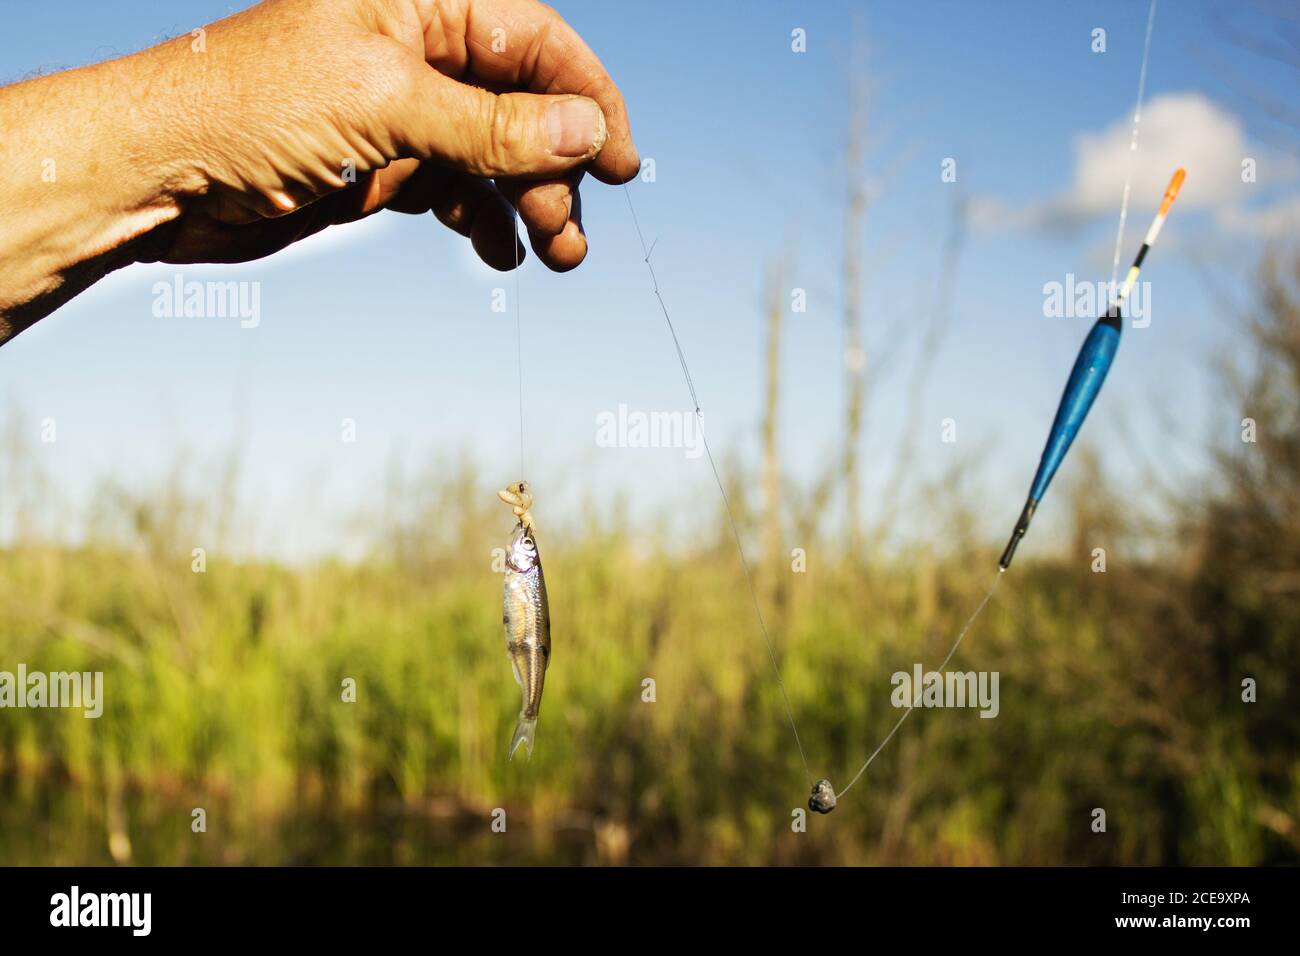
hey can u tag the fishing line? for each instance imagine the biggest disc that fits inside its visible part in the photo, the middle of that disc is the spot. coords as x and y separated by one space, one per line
519 342
1117 300
740 550
681 356
824 797
907 713
726 502
1132 149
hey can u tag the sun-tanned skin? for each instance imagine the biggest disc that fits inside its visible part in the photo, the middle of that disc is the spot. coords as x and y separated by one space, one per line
231 143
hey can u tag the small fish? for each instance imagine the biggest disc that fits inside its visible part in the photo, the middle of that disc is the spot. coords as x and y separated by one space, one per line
527 618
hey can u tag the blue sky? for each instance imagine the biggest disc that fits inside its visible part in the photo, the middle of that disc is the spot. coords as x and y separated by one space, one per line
389 322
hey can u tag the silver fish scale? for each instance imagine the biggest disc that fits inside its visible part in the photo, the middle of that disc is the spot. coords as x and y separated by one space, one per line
528 633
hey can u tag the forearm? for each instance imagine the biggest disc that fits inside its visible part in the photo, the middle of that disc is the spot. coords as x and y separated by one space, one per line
85 170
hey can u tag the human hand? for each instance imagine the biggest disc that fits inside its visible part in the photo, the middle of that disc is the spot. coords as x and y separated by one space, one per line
304 113
233 142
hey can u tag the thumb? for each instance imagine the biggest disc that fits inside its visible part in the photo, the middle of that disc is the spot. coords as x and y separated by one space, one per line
500 134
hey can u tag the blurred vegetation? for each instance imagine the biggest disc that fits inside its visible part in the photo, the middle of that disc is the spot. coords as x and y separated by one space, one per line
1120 690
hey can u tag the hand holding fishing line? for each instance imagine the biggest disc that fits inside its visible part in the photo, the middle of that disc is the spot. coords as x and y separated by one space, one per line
266 127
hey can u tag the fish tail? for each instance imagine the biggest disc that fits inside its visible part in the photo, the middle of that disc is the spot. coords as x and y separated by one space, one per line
525 729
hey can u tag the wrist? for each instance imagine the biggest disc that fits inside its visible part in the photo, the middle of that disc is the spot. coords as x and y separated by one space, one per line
90 162
148 136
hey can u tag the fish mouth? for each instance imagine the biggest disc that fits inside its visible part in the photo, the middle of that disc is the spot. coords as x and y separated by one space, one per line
522 554
520 565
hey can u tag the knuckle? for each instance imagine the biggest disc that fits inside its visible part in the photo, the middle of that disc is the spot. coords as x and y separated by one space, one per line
505 139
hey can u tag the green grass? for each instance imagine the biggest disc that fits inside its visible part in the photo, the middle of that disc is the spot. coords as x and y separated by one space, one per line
224 691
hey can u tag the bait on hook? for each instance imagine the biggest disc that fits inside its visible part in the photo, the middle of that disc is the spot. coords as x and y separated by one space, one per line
520 500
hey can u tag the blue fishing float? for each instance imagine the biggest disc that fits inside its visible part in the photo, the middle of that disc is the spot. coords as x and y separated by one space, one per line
1086 378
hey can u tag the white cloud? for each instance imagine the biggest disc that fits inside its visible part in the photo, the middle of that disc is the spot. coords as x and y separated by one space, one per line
1177 130
1180 129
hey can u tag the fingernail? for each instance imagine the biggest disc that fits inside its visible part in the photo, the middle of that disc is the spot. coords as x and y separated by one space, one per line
576 126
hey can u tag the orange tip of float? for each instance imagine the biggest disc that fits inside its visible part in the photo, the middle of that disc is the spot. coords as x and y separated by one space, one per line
1171 193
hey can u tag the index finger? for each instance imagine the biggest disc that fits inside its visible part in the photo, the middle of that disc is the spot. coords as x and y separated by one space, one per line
528 45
